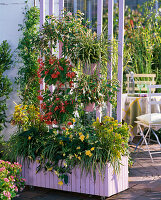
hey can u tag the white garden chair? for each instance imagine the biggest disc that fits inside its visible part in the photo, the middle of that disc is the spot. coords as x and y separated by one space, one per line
151 121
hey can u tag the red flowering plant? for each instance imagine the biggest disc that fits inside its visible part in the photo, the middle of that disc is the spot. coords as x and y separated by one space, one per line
56 71
57 106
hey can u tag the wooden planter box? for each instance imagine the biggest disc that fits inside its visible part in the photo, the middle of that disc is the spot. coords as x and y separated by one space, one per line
111 185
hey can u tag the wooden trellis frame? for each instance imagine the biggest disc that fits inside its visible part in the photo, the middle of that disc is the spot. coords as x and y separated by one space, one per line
112 183
99 31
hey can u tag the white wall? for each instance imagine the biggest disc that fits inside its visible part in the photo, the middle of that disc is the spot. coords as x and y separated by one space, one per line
11 14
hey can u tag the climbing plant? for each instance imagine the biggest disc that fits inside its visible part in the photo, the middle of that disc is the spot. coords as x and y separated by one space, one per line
27 74
5 83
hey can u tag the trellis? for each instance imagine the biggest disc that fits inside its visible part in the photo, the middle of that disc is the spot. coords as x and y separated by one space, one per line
112 182
99 31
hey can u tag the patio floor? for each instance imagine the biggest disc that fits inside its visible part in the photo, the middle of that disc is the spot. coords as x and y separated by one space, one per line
144 183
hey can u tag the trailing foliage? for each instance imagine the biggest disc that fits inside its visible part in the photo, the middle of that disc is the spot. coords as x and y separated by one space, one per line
5 83
27 74
87 146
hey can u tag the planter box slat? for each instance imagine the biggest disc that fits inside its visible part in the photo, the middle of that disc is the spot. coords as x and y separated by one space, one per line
112 183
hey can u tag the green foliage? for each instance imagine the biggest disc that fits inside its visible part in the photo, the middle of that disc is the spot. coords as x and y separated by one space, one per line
142 39
87 146
5 83
79 43
29 135
92 89
27 74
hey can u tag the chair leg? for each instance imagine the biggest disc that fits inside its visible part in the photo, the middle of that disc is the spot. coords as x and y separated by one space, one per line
156 137
144 140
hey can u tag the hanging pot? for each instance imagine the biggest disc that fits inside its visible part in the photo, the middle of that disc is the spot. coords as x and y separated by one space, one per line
89 107
90 68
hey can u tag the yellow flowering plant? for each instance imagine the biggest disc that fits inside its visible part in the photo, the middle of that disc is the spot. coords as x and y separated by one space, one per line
89 147
25 116
28 139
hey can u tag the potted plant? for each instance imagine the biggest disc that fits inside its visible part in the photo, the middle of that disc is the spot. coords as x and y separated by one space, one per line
94 155
93 91
56 71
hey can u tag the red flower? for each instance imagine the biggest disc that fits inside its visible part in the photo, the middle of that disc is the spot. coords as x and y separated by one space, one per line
54 75
61 68
131 23
55 122
48 122
51 61
62 109
46 72
40 97
41 81
57 99
63 128
70 74
50 113
38 74
39 60
57 73
73 74
71 83
43 106
56 108
66 103
69 123
41 117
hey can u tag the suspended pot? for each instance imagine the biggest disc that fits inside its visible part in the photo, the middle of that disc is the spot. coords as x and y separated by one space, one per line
89 107
90 68
62 85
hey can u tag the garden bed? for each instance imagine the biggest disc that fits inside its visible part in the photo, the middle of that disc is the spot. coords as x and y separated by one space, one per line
111 184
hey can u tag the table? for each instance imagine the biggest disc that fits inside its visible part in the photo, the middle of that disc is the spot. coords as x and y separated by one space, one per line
135 106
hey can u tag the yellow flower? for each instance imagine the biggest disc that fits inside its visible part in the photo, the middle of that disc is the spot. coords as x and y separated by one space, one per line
76 155
67 133
65 164
29 137
88 153
80 134
71 136
63 154
82 137
92 149
37 161
50 169
78 147
61 142
60 183
73 120
70 157
79 158
87 136
56 173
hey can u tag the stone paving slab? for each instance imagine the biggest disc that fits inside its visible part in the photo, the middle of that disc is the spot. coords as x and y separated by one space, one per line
144 183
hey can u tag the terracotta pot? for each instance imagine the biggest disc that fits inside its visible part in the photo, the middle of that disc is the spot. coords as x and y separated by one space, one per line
89 107
90 68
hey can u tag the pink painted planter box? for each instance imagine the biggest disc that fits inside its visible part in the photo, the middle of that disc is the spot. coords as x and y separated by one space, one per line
111 184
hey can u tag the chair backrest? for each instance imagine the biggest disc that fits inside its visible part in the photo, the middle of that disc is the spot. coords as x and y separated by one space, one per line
141 79
153 95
